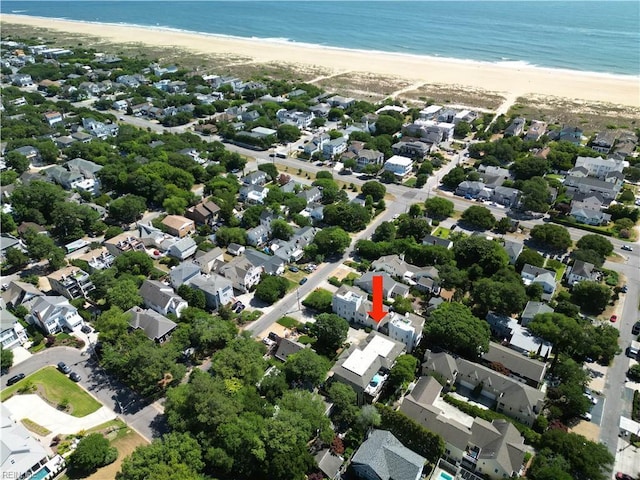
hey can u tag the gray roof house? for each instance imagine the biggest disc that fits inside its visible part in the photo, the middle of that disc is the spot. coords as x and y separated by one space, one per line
589 216
162 298
468 188
217 289
532 309
53 314
441 242
365 367
546 278
20 293
515 336
520 366
581 271
495 449
515 128
155 326
390 287
506 196
242 273
513 249
383 457
258 235
207 260
255 178
183 248
271 264
12 333
287 347
329 463
311 195
183 274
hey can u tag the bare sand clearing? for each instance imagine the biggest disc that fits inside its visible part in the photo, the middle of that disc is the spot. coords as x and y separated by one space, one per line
512 81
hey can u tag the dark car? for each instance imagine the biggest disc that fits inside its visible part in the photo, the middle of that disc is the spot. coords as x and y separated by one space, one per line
303 280
15 379
74 376
294 269
635 330
64 368
623 476
86 329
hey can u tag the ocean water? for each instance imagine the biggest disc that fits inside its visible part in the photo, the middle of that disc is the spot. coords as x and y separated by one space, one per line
596 36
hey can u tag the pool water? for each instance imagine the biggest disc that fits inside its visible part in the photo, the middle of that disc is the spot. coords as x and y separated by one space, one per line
444 476
40 474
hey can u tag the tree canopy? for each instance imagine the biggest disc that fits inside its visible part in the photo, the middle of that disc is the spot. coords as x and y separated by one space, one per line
438 207
455 328
479 217
306 368
554 237
331 331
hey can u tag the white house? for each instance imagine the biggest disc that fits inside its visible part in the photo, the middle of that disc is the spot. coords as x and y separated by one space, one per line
406 329
12 333
598 166
162 298
399 165
53 314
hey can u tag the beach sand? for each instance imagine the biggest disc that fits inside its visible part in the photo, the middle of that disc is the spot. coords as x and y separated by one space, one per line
508 80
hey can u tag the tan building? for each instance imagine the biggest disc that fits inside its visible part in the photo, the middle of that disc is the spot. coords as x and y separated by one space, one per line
178 225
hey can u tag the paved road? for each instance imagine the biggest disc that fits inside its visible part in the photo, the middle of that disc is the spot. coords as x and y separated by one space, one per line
143 417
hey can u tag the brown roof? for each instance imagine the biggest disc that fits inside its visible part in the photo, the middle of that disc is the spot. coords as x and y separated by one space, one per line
176 221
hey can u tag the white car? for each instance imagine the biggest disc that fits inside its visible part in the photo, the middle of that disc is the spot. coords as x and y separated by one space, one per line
592 399
587 416
627 248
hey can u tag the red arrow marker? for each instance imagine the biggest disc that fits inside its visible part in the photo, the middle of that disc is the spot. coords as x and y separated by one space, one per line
377 313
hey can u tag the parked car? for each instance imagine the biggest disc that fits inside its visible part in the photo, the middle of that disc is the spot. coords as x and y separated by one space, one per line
586 416
628 248
592 399
15 379
74 376
294 269
635 330
86 329
64 368
623 476
624 289
613 318
303 280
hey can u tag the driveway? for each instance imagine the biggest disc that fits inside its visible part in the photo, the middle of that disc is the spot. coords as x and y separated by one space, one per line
138 413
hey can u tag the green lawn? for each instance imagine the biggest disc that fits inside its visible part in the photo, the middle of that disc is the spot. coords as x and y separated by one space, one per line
441 232
55 387
411 182
288 322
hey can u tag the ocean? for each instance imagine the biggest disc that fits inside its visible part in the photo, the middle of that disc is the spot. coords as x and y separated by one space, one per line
593 36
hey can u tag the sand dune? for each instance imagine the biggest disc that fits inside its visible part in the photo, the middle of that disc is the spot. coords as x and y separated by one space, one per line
508 79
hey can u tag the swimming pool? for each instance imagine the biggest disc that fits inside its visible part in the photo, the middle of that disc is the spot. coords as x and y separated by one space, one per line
444 476
40 474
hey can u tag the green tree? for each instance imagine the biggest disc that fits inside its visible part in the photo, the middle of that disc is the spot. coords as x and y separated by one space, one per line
479 217
7 223
596 242
452 179
177 456
92 452
127 209
385 232
270 289
551 236
306 368
270 169
242 358
387 125
17 161
402 305
530 167
529 256
344 401
281 229
175 205
478 251
504 298
375 189
134 263
438 208
112 231
591 296
36 201
124 295
288 133
404 371
227 235
39 246
16 258
455 328
112 324
563 332
319 300
535 195
72 221
6 358
331 331
415 228
331 241
462 129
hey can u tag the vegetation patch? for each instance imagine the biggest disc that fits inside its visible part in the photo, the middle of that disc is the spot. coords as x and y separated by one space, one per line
56 389
288 322
35 428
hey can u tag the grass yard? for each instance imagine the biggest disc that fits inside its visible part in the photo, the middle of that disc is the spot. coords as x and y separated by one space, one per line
55 387
411 182
441 232
288 322
35 428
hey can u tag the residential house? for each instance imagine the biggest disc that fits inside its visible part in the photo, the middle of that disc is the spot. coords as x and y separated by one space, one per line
242 273
513 249
178 225
52 118
253 194
511 396
598 166
415 150
581 272
21 80
607 189
255 178
154 325
287 347
407 329
509 197
64 141
100 130
333 148
567 134
296 118
12 333
471 189
67 179
183 274
208 260
235 249
589 216
536 130
397 267
590 201
311 195
366 157
98 259
541 276
351 304
365 367
520 367
292 250
32 154
81 137
9 241
320 109
532 309
495 449
193 154
218 290
22 455
124 242
120 105
183 248
270 264
25 227
53 314
625 146
399 165
329 463
437 241
516 128
429 112
315 144
603 142
390 288
340 102
205 213
161 298
258 235
20 293
383 457
72 282
517 337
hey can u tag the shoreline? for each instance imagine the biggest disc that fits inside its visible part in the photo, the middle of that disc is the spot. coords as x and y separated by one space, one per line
509 78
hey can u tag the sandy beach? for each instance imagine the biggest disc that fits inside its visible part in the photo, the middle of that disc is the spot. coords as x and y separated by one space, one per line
509 80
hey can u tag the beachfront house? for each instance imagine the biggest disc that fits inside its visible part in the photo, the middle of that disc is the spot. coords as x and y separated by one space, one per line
398 165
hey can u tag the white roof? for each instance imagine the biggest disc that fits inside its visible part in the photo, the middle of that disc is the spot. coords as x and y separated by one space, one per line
629 425
431 109
360 360
462 113
400 160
